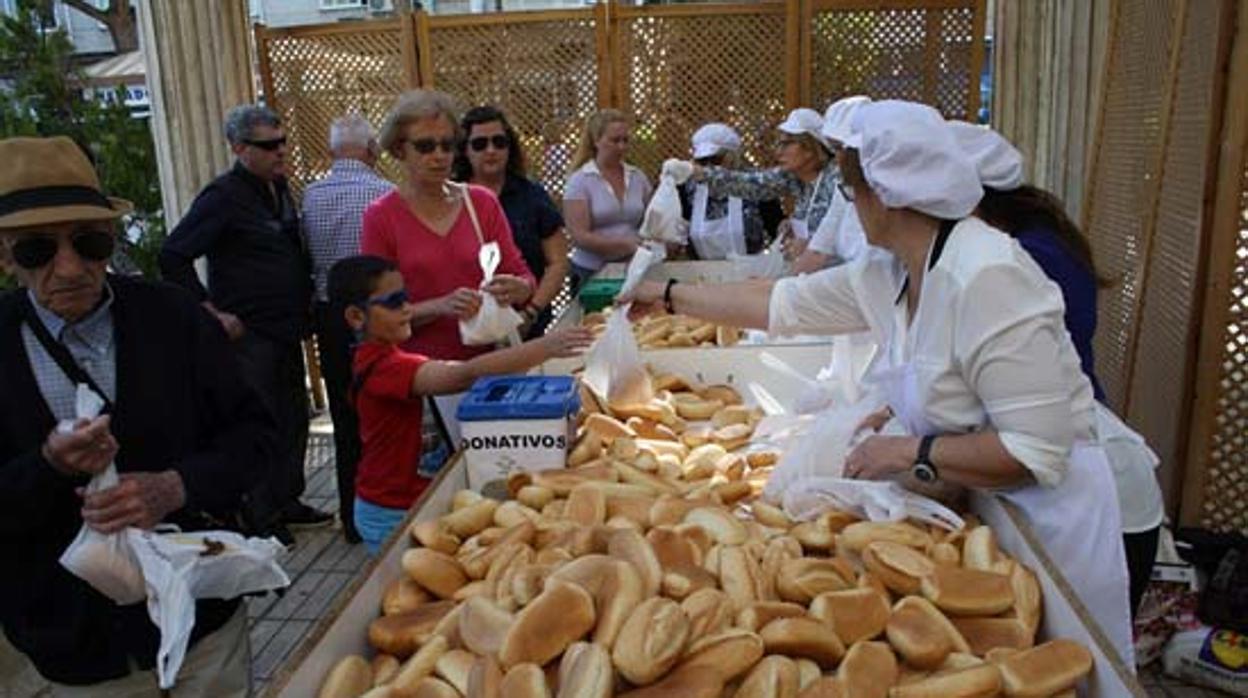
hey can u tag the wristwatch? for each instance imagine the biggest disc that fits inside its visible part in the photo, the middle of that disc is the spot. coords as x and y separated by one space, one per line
923 469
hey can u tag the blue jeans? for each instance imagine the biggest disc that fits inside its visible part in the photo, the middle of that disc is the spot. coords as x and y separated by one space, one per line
375 523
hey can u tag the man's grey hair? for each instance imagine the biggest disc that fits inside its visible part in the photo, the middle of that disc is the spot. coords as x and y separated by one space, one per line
241 121
350 131
415 105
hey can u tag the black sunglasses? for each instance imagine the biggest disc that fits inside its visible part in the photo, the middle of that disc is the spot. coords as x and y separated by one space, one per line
390 301
271 144
35 251
499 141
424 146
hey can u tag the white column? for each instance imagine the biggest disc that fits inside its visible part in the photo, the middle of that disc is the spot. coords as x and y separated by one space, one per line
198 59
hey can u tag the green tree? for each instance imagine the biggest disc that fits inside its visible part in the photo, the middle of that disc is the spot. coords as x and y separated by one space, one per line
45 98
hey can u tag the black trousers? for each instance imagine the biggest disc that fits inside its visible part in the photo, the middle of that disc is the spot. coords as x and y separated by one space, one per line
1141 551
333 340
275 370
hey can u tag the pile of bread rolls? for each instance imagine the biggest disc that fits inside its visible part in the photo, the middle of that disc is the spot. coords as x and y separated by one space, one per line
649 569
666 331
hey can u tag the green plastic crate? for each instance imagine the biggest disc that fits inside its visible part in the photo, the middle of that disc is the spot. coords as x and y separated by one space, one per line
597 294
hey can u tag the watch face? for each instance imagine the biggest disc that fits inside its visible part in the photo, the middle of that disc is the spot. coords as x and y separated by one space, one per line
924 472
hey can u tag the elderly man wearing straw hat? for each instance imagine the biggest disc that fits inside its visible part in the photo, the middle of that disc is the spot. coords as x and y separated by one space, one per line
185 434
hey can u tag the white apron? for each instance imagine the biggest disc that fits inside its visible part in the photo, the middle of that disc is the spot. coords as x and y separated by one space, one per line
1077 521
719 238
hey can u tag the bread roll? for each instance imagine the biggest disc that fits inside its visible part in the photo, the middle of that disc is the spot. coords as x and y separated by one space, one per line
586 506
732 492
585 671
633 508
524 681
534 497
867 671
621 591
560 481
813 536
402 595
854 614
826 687
898 566
857 536
679 582
801 580
472 519
982 681
651 640
477 564
957 661
1046 669
684 682
709 611
1028 598
385 667
986 634
349 678
966 592
454 668
731 652
513 513
654 483
558 617
803 637
722 526
733 436
437 572
739 575
483 625
731 414
434 534
672 549
772 516
945 554
724 393
607 428
773 677
486 678
979 550
758 614
419 665
633 548
402 633
694 408
430 687
465 498
921 634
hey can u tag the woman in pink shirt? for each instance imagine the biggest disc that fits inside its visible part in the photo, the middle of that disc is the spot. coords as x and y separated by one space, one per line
426 228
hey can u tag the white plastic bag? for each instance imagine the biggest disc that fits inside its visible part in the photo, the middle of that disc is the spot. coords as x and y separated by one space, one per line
493 323
806 499
663 221
821 450
104 561
768 264
182 567
1209 657
613 368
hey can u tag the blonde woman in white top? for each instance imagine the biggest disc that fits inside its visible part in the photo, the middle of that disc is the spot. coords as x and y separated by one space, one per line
975 361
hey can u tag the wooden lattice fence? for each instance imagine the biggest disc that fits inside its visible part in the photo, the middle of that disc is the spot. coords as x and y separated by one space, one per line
674 67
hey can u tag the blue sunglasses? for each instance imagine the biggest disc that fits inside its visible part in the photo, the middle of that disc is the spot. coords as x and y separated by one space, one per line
390 301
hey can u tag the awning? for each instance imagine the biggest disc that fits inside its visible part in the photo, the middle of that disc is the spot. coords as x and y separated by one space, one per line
125 68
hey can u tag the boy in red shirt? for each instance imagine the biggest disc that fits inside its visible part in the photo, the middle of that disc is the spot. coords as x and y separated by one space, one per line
388 385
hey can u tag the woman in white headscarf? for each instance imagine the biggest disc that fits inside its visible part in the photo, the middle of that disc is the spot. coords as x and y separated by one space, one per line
720 226
1036 219
977 365
839 237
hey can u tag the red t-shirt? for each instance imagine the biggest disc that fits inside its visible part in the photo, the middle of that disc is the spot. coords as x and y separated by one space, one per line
433 265
390 426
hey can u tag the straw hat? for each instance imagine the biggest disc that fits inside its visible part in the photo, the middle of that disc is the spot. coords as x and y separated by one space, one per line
50 180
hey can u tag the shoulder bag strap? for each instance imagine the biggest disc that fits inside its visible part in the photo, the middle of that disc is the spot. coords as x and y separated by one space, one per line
59 353
472 212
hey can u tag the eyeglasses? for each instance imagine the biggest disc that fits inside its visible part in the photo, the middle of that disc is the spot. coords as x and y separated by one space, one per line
269 145
846 190
390 301
36 251
499 141
425 146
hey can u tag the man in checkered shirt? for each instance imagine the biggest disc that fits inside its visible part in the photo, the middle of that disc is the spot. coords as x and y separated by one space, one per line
333 210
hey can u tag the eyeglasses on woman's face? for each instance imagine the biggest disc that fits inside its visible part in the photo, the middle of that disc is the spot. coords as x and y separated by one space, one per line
480 143
426 146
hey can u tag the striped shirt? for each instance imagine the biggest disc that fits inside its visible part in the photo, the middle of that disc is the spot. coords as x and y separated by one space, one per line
333 214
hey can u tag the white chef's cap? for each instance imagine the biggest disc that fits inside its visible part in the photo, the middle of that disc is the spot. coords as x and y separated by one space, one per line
713 139
839 117
911 160
999 164
806 121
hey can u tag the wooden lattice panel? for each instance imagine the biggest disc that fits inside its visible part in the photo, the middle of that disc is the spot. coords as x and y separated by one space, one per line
1125 175
1225 505
922 54
677 72
317 76
542 74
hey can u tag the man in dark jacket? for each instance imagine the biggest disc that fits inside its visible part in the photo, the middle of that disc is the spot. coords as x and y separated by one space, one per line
259 286
185 433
